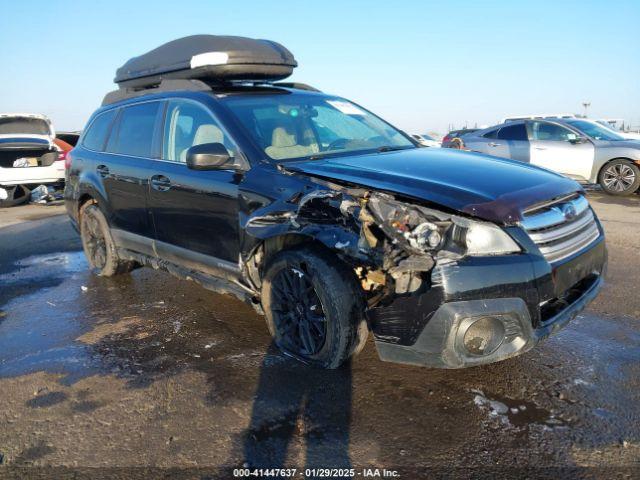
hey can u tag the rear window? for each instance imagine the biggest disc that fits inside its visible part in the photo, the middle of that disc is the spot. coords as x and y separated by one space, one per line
134 135
96 136
23 125
491 133
513 132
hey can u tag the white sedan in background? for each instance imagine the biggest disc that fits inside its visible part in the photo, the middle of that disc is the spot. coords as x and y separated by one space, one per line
426 140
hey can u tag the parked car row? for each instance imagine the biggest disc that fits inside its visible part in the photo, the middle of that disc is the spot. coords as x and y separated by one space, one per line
579 148
31 155
324 217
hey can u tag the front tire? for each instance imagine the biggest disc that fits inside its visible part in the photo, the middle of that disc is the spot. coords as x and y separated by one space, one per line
98 244
620 177
314 307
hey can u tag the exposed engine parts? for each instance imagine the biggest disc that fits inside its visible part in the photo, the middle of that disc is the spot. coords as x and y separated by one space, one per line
392 245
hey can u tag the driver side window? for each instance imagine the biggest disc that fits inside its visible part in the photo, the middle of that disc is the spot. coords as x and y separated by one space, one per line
550 132
188 124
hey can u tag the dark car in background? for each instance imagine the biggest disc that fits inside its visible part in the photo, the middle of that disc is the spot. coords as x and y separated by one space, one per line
326 218
69 137
452 139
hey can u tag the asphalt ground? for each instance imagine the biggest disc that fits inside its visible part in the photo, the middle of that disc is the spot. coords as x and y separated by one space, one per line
150 376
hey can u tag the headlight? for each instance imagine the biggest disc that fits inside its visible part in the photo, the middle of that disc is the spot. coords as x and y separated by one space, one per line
419 229
480 239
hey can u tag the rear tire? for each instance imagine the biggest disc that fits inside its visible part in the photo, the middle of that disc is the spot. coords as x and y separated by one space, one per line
619 177
457 144
98 244
314 307
16 195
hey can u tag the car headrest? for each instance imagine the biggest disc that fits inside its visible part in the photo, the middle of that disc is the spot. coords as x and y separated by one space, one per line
208 133
281 138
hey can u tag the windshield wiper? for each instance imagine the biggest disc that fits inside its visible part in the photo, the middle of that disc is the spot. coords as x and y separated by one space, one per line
318 156
389 148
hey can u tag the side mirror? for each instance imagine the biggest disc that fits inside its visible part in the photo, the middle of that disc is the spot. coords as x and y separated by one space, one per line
209 156
575 138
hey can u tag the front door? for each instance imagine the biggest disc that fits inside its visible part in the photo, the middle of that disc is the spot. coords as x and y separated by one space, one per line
195 212
554 147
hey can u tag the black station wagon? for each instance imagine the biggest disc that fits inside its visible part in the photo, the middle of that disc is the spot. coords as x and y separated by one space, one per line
324 217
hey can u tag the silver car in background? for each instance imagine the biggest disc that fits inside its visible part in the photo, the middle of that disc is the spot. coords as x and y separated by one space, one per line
575 147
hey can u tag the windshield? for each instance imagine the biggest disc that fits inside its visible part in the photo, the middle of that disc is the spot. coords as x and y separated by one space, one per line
295 125
594 130
23 125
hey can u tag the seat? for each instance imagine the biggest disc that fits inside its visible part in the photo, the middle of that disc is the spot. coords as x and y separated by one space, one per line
206 133
284 145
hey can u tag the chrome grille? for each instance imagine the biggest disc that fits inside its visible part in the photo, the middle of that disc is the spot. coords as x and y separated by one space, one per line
561 228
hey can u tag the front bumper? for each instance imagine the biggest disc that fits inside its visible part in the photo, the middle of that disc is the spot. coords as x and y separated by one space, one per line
527 314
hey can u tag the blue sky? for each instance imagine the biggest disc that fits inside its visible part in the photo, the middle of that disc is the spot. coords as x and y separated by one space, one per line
421 65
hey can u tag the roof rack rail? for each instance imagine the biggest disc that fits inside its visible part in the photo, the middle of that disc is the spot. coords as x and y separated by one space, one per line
206 85
299 86
166 85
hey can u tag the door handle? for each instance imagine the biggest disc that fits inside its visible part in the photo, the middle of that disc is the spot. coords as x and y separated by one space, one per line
160 183
493 144
102 170
541 148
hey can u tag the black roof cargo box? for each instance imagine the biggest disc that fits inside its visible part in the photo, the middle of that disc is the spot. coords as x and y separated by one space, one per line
204 57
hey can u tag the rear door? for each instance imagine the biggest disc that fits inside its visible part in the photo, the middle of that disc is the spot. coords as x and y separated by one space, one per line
511 142
553 146
195 212
483 143
124 171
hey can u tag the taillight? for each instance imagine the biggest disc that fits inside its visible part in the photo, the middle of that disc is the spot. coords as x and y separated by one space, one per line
446 138
62 155
67 159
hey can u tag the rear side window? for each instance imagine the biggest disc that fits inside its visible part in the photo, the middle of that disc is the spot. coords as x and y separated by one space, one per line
513 132
96 136
491 133
136 126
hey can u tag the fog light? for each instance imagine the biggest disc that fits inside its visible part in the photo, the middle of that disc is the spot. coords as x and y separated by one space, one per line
484 336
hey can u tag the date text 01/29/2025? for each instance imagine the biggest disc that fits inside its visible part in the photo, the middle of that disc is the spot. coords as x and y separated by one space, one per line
315 472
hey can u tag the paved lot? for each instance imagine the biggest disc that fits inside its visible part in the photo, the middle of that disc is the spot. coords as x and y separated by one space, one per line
147 370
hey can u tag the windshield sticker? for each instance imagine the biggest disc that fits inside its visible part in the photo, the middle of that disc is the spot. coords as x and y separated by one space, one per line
345 107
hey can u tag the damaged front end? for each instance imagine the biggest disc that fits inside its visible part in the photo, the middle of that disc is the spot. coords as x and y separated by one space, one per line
410 260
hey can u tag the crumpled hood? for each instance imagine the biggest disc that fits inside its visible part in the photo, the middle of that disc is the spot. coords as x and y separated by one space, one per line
486 187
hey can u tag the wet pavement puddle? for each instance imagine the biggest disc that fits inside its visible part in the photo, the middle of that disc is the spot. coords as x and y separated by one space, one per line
57 317
42 320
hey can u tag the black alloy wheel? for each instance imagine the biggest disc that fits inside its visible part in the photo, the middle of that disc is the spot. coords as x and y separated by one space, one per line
314 306
94 242
98 244
297 312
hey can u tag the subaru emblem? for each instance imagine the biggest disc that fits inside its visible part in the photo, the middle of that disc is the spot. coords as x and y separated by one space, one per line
569 211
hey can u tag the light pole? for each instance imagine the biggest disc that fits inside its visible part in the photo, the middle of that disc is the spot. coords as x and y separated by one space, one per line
586 105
